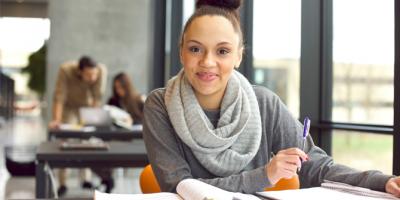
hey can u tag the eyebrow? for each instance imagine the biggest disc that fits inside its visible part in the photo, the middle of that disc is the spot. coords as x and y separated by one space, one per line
221 43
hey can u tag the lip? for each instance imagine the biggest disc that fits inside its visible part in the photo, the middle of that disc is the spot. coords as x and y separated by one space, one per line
206 76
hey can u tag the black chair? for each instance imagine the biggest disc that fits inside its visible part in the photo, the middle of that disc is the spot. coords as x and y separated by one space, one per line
20 160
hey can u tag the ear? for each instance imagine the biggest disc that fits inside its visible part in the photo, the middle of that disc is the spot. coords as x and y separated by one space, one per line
240 56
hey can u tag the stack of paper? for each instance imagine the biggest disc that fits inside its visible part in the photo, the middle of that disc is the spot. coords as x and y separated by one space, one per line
329 191
343 187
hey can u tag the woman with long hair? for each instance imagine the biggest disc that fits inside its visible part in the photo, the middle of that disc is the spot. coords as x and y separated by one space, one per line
125 96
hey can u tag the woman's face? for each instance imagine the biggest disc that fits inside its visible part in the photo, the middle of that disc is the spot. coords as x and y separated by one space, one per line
209 53
119 89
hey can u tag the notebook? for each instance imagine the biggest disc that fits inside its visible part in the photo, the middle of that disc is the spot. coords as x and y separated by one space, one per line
329 191
343 187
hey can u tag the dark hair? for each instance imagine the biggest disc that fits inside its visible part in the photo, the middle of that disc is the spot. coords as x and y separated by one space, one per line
86 62
132 99
225 8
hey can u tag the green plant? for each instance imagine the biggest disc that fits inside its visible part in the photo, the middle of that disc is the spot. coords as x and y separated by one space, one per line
37 71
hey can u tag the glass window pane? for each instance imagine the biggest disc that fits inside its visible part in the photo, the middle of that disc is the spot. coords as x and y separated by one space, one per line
15 44
363 151
363 61
19 38
276 48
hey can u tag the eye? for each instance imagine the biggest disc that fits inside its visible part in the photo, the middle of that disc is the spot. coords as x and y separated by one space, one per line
223 51
194 49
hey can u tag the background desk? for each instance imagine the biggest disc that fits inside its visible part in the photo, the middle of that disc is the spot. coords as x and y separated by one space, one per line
105 134
120 154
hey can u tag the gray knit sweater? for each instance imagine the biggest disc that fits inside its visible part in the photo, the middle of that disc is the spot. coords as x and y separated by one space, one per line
173 161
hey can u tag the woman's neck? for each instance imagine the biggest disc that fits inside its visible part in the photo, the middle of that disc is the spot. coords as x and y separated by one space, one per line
210 102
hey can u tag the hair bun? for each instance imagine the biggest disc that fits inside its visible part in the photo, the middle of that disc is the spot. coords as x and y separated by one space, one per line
226 4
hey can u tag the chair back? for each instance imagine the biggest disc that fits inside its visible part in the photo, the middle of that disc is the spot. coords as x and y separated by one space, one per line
286 184
148 181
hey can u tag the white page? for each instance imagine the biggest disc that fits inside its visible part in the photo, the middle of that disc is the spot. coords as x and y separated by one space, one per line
343 187
163 195
197 190
316 193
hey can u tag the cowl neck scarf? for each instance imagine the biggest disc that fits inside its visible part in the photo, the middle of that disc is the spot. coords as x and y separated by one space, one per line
228 148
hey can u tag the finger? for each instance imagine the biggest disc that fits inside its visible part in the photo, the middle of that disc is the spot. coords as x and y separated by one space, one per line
290 167
296 151
288 173
288 160
397 180
395 189
294 160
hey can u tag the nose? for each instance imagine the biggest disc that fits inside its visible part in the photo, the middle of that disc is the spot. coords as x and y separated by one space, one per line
208 60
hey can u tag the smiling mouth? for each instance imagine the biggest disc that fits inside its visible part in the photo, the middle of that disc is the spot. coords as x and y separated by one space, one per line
206 76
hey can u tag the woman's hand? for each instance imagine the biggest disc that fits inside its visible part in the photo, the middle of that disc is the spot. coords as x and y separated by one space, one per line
55 124
393 186
285 164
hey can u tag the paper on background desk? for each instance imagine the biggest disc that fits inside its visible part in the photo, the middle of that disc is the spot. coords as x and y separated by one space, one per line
137 127
76 127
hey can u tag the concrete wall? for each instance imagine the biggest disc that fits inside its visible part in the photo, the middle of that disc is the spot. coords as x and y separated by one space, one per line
116 33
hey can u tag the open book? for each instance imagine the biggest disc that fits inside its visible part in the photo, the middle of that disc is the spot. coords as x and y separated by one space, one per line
329 190
187 189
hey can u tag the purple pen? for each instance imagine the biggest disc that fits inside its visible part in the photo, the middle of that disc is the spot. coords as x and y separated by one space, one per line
306 129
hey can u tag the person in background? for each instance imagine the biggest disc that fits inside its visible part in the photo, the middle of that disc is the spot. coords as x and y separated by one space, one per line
126 97
209 123
79 84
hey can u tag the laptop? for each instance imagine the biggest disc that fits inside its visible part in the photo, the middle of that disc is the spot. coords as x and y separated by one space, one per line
95 116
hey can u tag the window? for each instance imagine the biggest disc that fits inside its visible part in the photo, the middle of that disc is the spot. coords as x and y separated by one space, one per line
363 151
363 61
363 81
19 38
276 48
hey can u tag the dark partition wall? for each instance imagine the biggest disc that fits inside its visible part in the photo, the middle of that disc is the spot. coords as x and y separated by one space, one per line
6 96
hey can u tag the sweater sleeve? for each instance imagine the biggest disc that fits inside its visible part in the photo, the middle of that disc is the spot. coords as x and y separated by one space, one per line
165 153
287 133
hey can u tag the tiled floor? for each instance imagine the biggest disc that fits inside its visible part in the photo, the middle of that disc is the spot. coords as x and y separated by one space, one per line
31 130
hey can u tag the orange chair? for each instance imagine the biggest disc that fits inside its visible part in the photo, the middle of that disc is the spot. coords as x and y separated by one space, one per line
286 184
148 182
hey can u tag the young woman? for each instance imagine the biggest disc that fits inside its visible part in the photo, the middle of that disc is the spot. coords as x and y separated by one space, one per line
126 97
210 124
